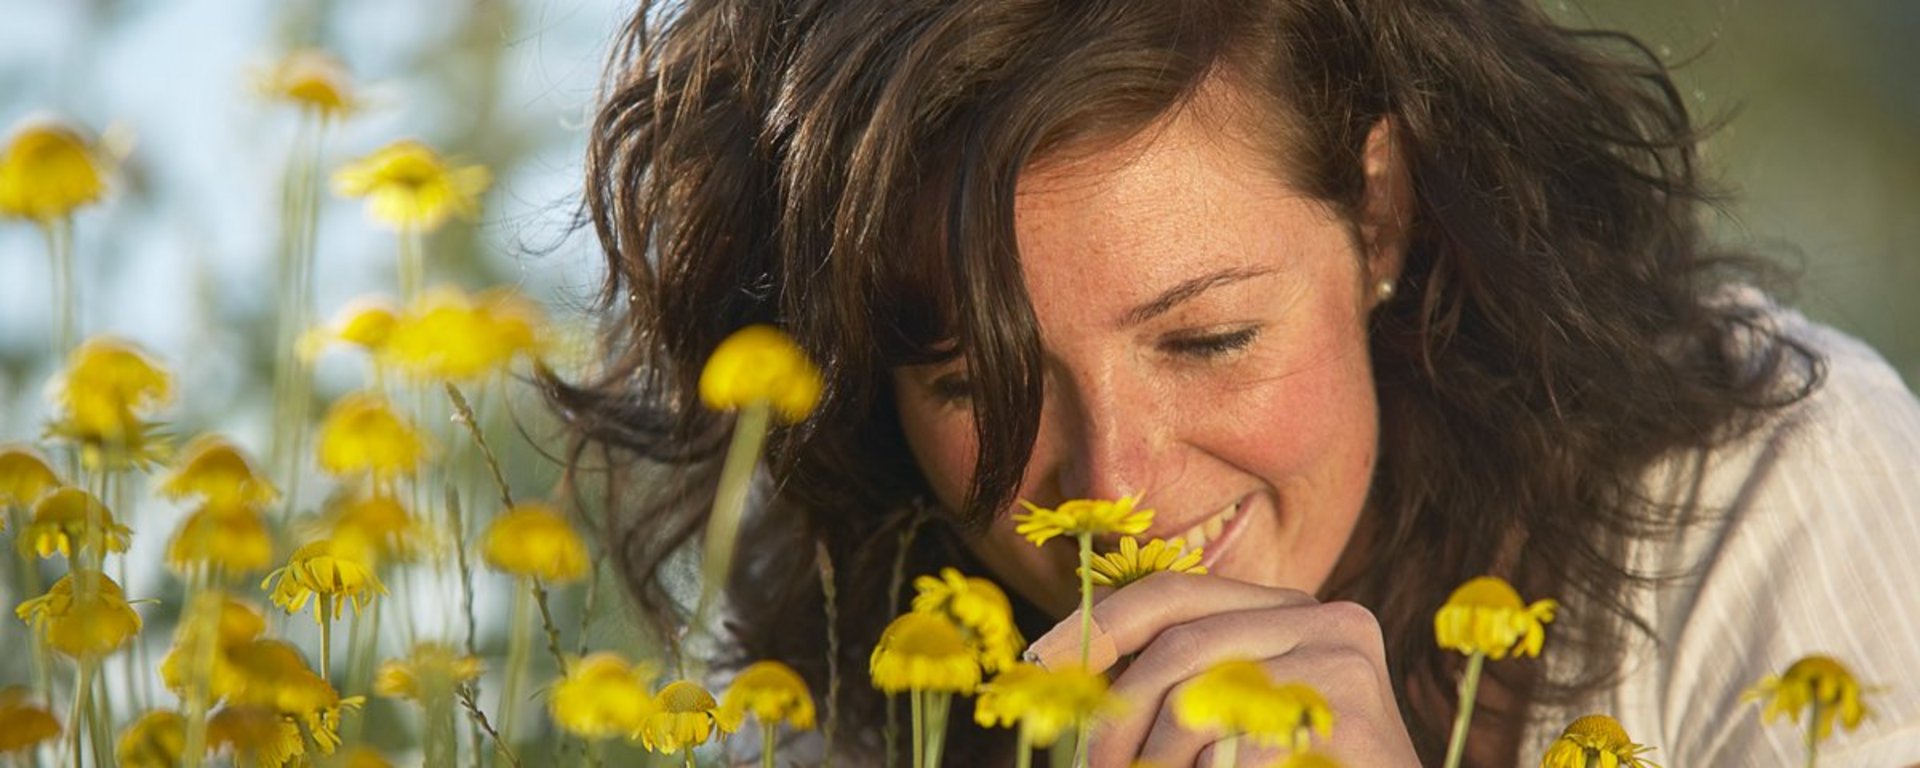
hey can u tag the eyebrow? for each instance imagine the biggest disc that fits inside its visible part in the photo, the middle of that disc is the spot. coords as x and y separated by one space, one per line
1172 297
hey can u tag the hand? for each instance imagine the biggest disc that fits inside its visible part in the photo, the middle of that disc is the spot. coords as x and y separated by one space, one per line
1180 624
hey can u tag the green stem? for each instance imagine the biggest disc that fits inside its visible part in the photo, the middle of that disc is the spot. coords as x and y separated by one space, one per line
203 611
1086 603
326 637
1813 735
769 734
829 592
82 712
689 753
1226 752
729 502
1023 751
1469 693
919 730
519 641
1080 745
59 234
937 706
413 264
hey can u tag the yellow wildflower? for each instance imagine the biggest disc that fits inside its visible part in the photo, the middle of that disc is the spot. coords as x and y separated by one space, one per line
1818 682
275 677
1485 615
533 541
432 668
1312 759
1595 740
366 322
924 652
237 626
255 735
366 757
23 724
601 696
379 525
338 573
979 608
759 363
314 81
47 170
362 434
102 398
215 470
231 540
69 520
1132 562
410 188
1239 698
684 716
157 740
1044 702
1082 516
448 335
24 477
772 692
81 625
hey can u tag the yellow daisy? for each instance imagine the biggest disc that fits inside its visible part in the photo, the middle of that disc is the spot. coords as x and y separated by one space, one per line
924 652
70 520
227 540
216 471
256 736
1239 698
601 696
379 525
23 724
275 676
314 81
157 740
979 608
760 363
104 397
772 692
684 716
1132 562
448 335
1485 615
432 668
1082 516
1309 759
1044 702
364 756
338 573
410 188
363 435
236 627
81 625
534 541
49 169
24 477
1817 683
1598 741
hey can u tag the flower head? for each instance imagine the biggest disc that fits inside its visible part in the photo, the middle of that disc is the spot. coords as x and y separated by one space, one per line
255 735
1595 740
24 476
104 398
1485 615
275 677
449 335
410 188
924 652
432 669
759 363
1044 702
979 608
1238 697
379 525
69 520
1819 683
47 170
684 716
82 623
23 724
339 573
214 470
1132 562
601 696
772 692
157 740
1082 516
534 541
230 540
363 435
314 81
236 627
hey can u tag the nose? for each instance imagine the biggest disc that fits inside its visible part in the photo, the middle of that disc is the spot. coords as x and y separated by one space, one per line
1101 434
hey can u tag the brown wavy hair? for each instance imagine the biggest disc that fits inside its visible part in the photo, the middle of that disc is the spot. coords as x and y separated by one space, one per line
845 169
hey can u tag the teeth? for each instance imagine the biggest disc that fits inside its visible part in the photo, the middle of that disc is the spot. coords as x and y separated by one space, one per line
1211 528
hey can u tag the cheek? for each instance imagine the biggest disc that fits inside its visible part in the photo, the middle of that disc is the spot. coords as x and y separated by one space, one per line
943 444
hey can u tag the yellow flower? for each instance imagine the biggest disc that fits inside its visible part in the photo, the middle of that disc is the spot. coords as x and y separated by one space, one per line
410 188
772 692
601 696
237 626
1821 683
1485 615
23 725
366 757
1598 741
215 470
1238 697
432 668
684 716
108 387
338 573
157 740
231 540
82 626
255 735
533 541
759 363
24 477
314 81
69 520
379 525
47 170
1311 759
1044 702
1082 516
924 652
449 335
1133 563
363 435
979 608
275 677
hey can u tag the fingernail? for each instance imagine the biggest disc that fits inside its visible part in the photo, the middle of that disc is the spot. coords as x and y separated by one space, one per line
1060 646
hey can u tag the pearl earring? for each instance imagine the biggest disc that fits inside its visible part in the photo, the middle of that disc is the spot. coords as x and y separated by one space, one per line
1383 290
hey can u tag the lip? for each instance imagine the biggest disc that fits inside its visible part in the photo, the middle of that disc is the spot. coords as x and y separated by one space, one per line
1217 548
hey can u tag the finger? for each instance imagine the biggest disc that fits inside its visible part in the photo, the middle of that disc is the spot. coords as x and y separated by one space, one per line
1127 620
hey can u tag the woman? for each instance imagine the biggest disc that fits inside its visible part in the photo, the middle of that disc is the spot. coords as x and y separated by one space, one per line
1370 296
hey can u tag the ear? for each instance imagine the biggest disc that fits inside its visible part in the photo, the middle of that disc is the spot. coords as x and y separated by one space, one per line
1386 209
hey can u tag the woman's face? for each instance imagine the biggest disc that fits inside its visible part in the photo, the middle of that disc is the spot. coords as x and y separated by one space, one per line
1204 344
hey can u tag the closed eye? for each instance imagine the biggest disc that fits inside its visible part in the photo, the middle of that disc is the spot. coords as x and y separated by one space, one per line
1212 346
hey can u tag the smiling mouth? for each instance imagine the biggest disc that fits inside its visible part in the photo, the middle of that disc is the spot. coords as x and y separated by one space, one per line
1216 529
